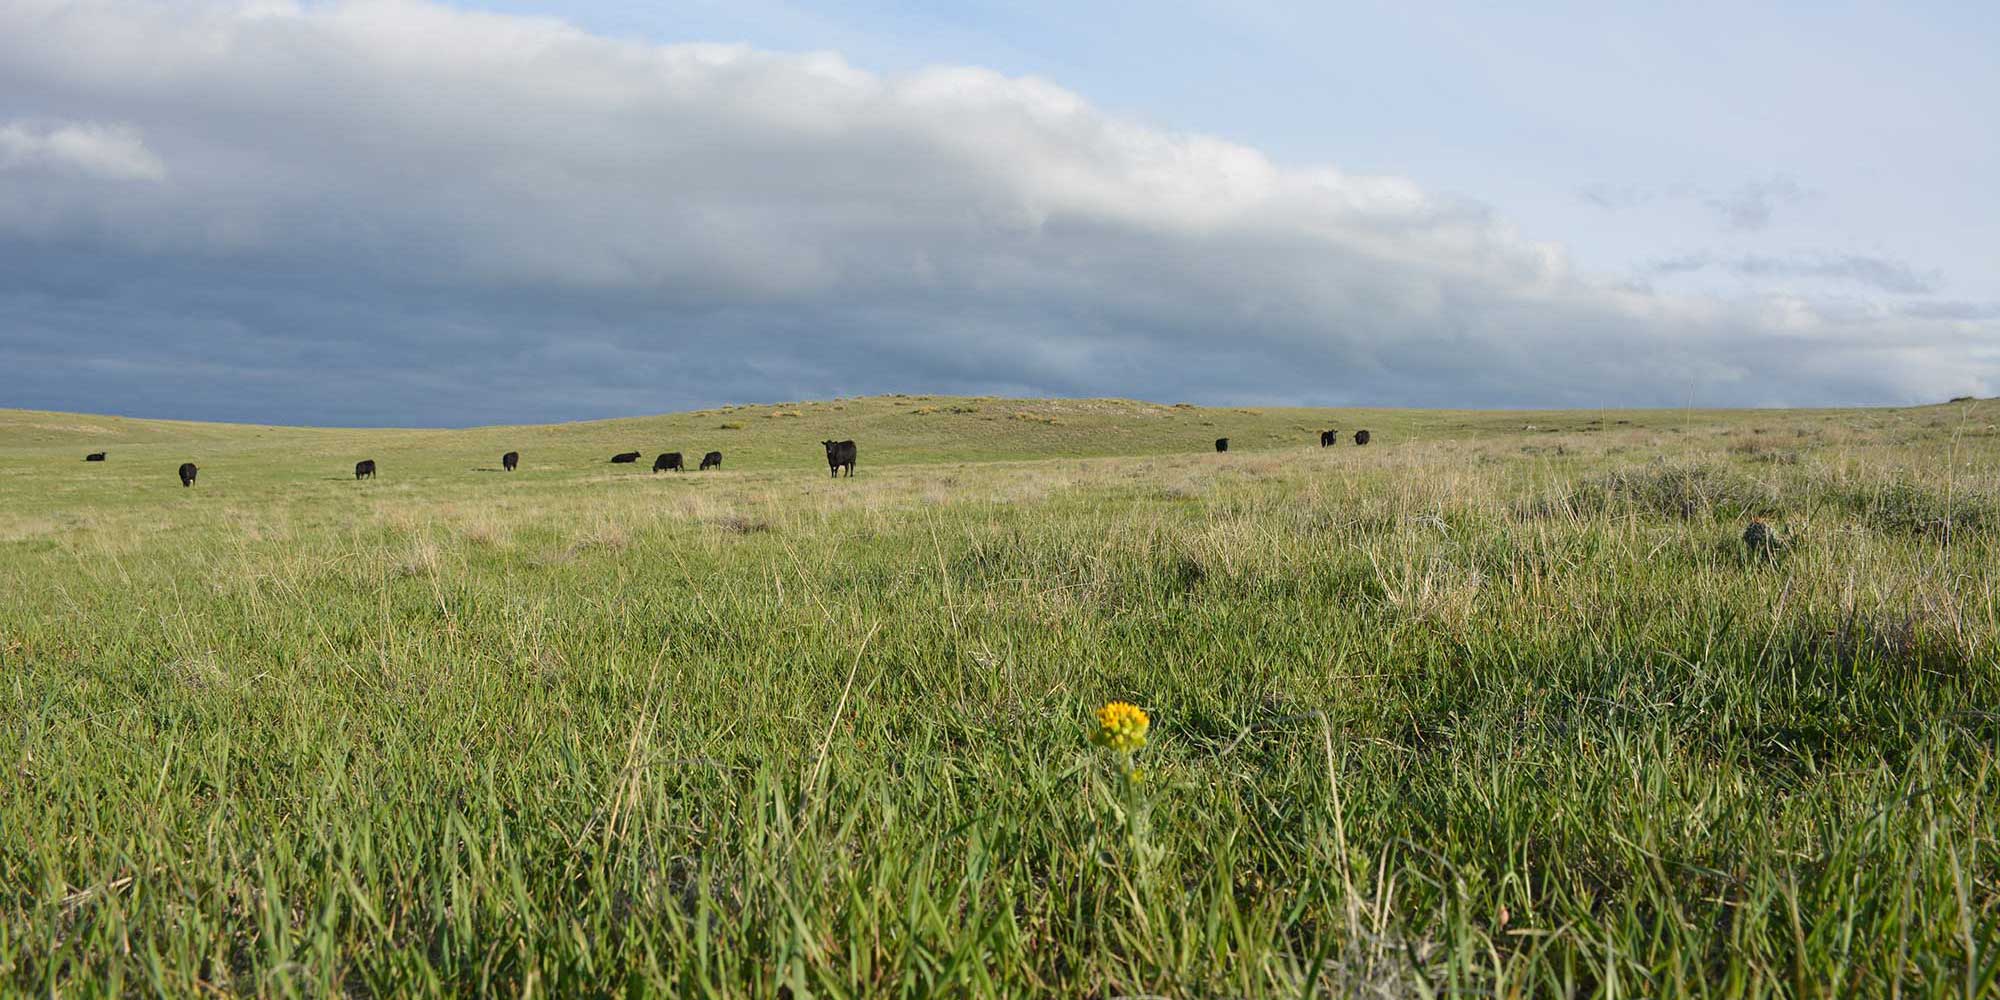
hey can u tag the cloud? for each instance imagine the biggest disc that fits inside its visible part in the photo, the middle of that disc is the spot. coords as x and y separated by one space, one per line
395 212
1874 272
110 152
1684 264
1616 197
1967 311
1879 273
1750 207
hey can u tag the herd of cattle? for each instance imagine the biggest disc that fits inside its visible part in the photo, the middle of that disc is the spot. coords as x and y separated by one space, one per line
1327 439
839 455
667 462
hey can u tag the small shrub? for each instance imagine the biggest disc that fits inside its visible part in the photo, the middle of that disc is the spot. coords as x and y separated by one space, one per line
1681 491
729 427
1754 450
1908 640
1909 508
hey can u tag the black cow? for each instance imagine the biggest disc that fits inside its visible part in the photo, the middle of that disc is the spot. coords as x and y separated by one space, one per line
95 456
509 460
625 458
1360 437
364 469
838 454
1757 537
712 460
1221 444
187 473
1329 438
670 460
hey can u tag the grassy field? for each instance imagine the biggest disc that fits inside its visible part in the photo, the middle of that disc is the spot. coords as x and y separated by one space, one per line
1497 705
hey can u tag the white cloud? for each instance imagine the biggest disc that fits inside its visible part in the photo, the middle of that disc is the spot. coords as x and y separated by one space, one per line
111 152
403 185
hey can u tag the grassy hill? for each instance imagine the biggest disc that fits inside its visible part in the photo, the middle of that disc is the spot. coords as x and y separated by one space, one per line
1498 703
39 451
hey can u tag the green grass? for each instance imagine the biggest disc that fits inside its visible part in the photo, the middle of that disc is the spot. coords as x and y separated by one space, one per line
1497 704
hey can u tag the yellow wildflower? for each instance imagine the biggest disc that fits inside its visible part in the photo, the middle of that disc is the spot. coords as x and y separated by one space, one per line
1121 726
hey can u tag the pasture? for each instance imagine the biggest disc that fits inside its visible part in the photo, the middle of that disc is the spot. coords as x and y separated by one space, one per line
1499 704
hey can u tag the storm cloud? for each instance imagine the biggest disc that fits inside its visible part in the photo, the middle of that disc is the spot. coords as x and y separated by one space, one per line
384 213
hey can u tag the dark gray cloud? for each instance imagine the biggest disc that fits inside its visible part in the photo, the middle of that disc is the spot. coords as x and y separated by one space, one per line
393 212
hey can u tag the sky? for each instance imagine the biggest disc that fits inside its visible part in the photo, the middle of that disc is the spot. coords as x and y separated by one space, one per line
425 214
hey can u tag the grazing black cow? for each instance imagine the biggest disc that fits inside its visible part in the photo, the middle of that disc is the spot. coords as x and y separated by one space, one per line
509 460
364 469
712 460
1221 444
95 456
670 460
187 473
838 454
1757 537
1328 439
1360 437
625 458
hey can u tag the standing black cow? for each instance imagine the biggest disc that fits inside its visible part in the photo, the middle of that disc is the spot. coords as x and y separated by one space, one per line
364 469
1360 437
187 473
625 458
509 460
1221 444
670 460
95 456
838 454
712 460
1328 439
